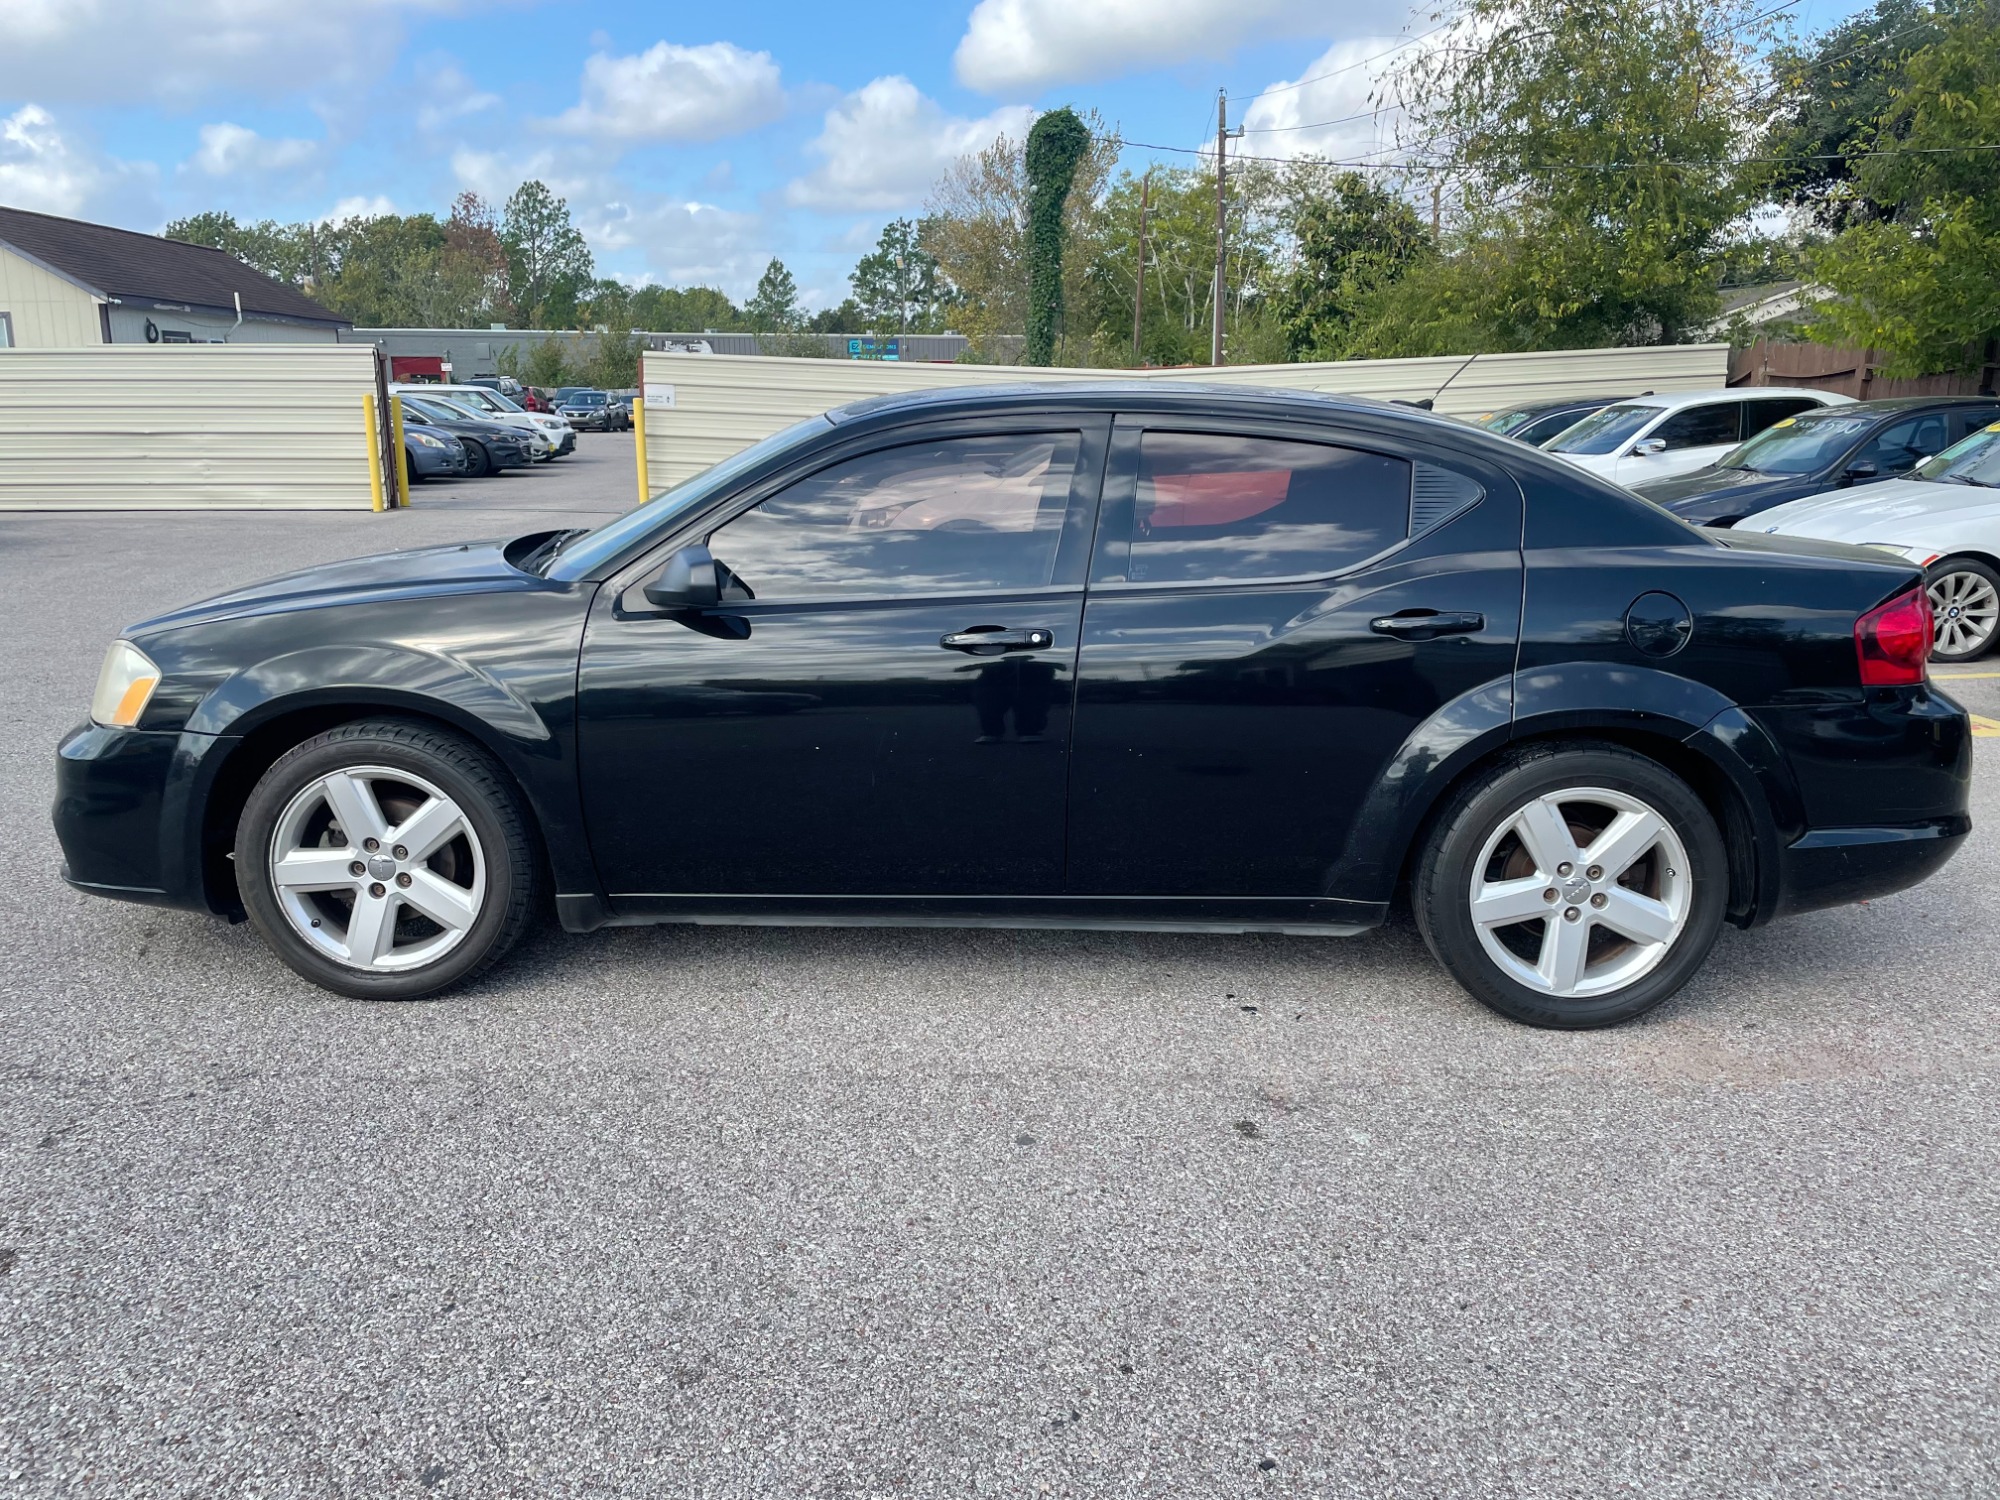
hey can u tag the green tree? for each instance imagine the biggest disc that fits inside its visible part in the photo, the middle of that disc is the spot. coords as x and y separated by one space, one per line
1351 241
548 264
775 306
1829 98
1585 143
1058 142
898 285
1920 280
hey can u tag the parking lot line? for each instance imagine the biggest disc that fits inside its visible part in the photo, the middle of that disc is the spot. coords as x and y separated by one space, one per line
1984 728
1962 676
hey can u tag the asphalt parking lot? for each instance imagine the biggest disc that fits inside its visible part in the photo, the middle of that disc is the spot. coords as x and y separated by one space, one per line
710 1212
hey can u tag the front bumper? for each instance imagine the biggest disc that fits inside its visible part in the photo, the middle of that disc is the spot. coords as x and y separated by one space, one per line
436 463
127 812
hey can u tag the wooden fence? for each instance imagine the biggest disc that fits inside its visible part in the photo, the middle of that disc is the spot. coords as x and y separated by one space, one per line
1850 371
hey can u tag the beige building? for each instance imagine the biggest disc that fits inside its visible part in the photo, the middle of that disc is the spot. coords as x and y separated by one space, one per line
65 284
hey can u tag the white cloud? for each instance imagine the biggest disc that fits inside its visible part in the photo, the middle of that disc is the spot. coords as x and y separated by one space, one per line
229 150
670 93
358 206
884 145
1337 112
1015 46
180 51
450 96
43 169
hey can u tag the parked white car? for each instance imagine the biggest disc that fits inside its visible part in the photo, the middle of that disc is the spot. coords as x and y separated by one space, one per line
551 437
1945 516
1656 437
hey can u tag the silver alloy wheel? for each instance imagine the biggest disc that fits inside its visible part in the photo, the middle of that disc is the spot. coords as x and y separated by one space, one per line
1967 608
1581 892
377 868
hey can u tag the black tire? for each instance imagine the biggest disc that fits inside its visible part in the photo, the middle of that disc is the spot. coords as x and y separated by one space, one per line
1965 584
491 811
1463 831
478 462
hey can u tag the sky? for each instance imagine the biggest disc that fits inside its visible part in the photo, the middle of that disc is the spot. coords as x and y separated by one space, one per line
692 142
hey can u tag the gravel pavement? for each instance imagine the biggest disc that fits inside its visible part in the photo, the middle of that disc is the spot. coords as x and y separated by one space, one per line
768 1213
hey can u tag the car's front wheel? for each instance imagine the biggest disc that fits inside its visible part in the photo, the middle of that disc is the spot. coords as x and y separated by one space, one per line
1573 886
1965 598
385 859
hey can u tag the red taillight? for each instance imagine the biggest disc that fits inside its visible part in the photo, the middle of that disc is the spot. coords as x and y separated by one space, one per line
1894 641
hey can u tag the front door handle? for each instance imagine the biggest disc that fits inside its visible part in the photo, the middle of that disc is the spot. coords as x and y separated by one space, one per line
1427 624
992 640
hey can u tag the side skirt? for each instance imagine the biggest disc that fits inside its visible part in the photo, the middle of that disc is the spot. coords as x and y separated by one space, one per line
1302 917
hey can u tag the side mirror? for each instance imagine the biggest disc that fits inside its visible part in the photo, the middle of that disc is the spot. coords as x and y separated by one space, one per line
690 580
1651 446
1865 468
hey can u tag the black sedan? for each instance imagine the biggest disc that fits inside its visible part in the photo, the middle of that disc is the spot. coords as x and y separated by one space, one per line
1817 451
488 445
1086 656
1535 422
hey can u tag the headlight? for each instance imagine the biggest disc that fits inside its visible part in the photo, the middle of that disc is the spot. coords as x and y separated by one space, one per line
1921 555
125 684
424 439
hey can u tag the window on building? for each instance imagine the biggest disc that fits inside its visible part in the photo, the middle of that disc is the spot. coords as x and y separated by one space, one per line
6 330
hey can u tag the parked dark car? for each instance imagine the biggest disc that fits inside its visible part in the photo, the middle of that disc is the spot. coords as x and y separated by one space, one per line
488 445
1080 656
433 452
594 411
1535 422
1818 451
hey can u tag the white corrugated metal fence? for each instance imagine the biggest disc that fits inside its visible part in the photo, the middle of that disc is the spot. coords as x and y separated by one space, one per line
127 427
712 405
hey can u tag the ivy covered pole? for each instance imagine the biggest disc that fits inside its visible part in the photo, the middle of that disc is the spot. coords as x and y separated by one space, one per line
1057 142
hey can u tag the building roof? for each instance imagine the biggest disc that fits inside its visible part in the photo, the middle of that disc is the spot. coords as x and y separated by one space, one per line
145 269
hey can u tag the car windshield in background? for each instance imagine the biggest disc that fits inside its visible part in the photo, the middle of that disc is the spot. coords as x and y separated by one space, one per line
432 409
1602 431
578 558
586 398
1797 445
453 411
1505 421
1972 460
504 403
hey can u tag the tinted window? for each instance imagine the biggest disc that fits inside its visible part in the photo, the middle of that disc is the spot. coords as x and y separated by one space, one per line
1971 419
1757 415
1604 431
1798 445
1700 426
982 513
1542 429
1210 508
1908 443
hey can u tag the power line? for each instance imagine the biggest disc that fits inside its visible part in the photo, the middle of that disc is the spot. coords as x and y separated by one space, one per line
1285 88
1579 166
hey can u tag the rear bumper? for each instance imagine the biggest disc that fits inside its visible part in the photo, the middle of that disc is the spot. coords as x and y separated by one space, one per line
431 463
1837 866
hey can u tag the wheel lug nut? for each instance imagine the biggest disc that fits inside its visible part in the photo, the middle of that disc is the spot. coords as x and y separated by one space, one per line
1600 899
1565 868
404 881
357 868
371 845
379 889
1551 896
1571 915
1595 872
401 852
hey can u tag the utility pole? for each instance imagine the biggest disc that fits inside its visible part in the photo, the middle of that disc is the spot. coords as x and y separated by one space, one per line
1437 207
1221 221
1139 281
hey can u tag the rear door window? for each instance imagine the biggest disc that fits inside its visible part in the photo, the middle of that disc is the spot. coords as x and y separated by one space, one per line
1701 426
1900 448
1757 415
1222 508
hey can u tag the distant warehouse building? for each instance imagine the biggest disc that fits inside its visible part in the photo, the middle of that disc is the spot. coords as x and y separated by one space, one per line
65 283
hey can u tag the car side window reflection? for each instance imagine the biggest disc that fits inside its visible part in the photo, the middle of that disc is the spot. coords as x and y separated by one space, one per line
1701 426
951 516
1211 508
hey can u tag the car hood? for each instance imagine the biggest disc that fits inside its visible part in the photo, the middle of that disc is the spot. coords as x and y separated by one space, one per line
461 568
1892 511
1705 483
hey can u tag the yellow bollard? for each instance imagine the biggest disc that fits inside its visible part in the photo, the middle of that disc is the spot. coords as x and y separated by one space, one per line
402 453
374 451
639 438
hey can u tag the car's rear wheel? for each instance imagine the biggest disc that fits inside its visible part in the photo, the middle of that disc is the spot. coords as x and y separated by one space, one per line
478 463
385 859
1965 598
1573 887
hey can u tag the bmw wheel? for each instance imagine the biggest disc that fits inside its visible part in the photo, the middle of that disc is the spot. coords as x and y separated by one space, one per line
1965 598
385 860
1573 887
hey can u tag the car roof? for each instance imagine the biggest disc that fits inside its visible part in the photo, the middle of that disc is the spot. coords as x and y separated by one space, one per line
1675 400
1554 403
1151 395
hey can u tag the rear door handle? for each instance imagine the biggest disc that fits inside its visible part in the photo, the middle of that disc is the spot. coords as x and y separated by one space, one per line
992 640
1427 624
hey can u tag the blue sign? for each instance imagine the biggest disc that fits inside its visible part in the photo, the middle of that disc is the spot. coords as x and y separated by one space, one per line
875 349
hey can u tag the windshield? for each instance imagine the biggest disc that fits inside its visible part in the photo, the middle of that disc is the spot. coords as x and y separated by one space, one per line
1797 445
1972 460
454 411
476 400
1602 431
1505 421
586 398
436 411
599 547
503 403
